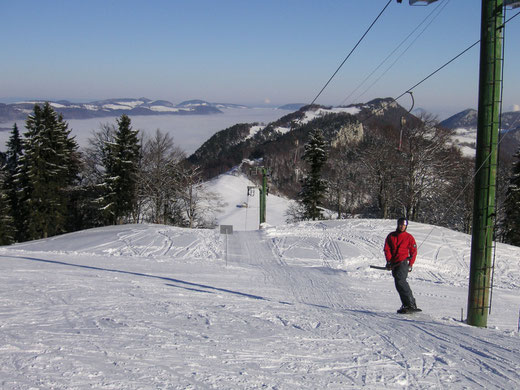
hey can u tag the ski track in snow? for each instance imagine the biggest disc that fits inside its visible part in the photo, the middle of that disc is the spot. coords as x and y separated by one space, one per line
289 307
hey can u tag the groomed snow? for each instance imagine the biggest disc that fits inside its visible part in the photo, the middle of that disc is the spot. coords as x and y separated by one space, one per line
285 307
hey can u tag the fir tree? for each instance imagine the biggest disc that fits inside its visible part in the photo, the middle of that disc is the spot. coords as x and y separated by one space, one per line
314 187
47 170
13 154
121 163
512 206
6 221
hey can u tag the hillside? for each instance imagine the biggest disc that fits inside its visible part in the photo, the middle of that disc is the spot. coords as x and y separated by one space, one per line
280 144
289 307
465 126
242 206
468 119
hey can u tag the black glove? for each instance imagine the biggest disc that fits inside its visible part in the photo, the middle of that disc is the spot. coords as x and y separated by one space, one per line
409 268
388 265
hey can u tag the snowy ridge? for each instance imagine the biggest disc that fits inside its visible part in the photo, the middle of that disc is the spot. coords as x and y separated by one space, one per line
116 107
313 114
287 307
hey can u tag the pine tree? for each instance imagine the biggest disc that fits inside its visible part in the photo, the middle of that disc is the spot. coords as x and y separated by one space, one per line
314 187
6 221
47 170
13 154
512 206
121 163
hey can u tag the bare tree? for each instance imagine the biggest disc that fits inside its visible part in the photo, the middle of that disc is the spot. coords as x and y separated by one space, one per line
347 193
160 176
380 157
95 153
199 205
426 164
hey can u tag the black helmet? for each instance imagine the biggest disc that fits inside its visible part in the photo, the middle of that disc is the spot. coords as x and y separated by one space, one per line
402 221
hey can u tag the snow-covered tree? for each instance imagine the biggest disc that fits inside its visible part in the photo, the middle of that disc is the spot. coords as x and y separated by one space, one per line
121 163
313 186
6 221
13 154
47 170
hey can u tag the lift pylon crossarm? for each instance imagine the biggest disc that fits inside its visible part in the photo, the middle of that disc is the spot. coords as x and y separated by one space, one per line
512 3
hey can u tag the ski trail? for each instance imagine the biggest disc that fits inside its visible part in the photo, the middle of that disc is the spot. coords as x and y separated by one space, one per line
406 352
315 286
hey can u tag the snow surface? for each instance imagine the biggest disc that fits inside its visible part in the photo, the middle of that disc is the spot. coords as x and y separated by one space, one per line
166 109
313 114
466 140
242 210
284 307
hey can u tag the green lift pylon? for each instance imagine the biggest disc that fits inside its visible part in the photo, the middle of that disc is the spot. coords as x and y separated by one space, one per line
263 196
486 161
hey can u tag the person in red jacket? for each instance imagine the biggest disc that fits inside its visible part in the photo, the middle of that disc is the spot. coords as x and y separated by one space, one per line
400 253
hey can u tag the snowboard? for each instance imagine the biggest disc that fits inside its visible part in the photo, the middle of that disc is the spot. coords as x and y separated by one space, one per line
379 267
410 311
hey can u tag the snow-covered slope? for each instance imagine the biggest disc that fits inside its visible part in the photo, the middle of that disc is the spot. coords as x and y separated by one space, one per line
286 307
242 208
466 140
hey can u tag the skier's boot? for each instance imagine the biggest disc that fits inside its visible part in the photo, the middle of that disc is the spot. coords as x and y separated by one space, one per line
408 309
403 310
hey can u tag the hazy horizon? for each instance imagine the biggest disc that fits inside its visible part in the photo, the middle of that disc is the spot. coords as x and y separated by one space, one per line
189 132
255 52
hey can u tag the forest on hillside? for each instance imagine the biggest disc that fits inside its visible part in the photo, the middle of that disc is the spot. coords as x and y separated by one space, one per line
381 162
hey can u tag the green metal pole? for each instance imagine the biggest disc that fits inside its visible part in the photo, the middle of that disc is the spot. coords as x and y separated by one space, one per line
486 161
263 196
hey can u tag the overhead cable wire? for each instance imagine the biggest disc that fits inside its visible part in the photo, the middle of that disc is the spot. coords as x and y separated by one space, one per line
512 17
499 140
397 48
422 81
352 51
399 57
477 170
449 62
435 71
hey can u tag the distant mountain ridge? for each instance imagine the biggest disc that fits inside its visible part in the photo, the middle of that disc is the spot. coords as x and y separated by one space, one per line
463 119
465 125
280 144
468 119
115 107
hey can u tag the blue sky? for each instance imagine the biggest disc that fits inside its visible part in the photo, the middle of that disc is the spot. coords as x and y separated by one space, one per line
250 52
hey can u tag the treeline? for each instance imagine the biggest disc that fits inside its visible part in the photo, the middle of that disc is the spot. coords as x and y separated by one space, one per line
406 166
48 186
410 170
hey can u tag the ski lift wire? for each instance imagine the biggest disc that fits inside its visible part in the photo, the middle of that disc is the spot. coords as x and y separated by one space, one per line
444 4
489 155
433 73
352 51
389 55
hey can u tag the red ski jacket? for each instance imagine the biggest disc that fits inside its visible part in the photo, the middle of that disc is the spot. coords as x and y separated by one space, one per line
400 246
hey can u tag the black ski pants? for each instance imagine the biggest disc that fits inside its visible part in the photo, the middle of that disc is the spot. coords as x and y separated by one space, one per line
400 273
